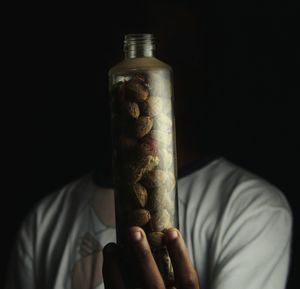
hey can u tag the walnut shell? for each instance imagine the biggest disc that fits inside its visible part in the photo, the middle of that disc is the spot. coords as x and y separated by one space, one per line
139 194
117 99
147 146
139 217
161 221
156 239
133 109
136 90
127 142
117 90
152 106
143 125
155 178
134 171
168 268
160 199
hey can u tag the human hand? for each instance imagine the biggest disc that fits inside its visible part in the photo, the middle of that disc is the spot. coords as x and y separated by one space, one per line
184 272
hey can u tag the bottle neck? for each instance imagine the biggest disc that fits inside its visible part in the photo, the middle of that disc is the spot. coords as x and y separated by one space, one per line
138 45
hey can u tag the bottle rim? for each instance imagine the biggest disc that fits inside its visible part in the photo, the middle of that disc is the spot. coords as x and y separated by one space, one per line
138 42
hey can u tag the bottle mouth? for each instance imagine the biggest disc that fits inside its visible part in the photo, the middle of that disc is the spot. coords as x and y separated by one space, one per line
141 44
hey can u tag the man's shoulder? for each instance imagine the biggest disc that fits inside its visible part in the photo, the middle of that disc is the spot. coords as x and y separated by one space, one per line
226 184
61 201
252 190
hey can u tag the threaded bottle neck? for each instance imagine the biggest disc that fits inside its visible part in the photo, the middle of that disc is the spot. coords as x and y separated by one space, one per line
139 45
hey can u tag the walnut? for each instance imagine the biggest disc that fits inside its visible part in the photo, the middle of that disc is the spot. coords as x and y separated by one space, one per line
143 125
117 90
136 90
135 170
147 146
155 178
160 199
139 194
161 221
168 268
133 109
139 217
155 239
127 142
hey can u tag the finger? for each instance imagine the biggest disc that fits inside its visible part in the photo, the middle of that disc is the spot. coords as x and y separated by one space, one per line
185 274
149 270
111 271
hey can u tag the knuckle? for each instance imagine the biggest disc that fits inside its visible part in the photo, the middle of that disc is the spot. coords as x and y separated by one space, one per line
189 281
156 285
144 253
104 269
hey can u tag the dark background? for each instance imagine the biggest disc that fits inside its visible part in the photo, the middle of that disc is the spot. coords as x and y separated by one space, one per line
244 55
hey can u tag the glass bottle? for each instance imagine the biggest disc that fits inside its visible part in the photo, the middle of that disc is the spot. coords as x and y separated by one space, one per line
144 152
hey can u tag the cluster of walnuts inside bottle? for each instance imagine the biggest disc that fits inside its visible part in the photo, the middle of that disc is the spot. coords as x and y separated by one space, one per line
144 153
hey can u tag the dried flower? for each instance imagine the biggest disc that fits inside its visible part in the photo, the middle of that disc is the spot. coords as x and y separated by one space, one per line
166 159
163 122
152 106
161 137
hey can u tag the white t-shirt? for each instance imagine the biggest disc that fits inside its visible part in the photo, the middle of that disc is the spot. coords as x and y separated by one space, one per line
237 228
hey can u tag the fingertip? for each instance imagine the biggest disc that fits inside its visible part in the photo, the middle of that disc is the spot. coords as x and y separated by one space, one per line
111 271
135 234
109 249
172 234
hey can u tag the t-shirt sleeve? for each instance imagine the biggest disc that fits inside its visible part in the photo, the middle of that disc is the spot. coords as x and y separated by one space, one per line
20 273
253 249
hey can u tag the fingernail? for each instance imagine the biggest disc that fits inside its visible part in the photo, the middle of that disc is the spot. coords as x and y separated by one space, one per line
109 248
172 235
135 236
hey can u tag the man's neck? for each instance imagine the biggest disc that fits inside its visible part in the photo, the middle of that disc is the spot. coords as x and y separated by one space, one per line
186 156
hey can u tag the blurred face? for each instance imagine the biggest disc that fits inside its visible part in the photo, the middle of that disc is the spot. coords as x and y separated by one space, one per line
178 34
179 43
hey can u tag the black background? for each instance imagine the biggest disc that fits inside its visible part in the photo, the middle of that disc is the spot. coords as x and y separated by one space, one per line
56 78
